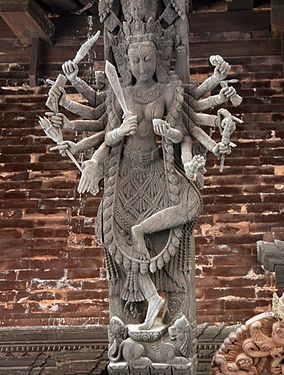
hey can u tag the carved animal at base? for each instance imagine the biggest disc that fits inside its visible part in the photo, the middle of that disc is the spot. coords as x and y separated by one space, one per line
174 348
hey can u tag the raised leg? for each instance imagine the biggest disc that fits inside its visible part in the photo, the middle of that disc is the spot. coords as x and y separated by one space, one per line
166 219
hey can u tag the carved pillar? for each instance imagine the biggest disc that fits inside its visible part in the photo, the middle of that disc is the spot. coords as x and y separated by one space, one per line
152 157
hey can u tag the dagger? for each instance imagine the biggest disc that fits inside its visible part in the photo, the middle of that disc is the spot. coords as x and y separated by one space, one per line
61 79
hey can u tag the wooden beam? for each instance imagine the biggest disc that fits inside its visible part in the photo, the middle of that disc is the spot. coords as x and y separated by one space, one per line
240 4
282 50
217 22
34 63
277 17
62 7
27 20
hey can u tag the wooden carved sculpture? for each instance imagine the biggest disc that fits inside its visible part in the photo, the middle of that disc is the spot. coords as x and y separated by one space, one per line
149 143
255 348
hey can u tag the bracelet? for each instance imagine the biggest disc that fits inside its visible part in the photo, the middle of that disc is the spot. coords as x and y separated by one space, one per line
217 100
214 80
210 144
76 81
117 134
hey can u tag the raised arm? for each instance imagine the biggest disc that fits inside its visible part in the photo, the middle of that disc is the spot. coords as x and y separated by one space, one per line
128 127
60 120
87 112
221 71
70 69
216 148
213 101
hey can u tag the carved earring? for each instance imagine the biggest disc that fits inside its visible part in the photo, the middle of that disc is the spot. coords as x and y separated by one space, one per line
161 73
127 76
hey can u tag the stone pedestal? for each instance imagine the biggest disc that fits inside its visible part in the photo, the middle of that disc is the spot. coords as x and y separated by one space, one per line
155 369
161 350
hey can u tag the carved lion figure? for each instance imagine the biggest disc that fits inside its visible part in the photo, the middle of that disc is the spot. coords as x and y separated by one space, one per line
181 336
173 349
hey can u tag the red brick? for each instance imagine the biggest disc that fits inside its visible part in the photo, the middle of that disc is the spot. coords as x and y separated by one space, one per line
48 274
84 273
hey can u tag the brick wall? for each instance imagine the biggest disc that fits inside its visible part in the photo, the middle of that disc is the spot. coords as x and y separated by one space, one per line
52 270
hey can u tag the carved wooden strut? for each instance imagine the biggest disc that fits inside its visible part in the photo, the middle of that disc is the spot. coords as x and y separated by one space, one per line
149 140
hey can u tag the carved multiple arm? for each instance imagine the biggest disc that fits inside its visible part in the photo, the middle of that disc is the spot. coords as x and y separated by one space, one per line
60 120
127 127
97 120
221 71
96 100
212 101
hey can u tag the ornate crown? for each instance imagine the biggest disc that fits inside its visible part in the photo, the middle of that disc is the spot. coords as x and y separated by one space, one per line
138 31
278 306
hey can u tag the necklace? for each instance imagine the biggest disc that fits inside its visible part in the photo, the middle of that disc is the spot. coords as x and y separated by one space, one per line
146 96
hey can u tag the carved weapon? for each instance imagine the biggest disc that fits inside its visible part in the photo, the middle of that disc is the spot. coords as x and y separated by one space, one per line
86 7
235 99
61 79
116 86
56 135
227 128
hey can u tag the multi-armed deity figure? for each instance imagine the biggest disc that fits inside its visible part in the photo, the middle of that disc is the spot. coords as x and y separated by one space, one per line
149 146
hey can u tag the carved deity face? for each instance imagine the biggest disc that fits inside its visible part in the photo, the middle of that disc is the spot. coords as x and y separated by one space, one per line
143 60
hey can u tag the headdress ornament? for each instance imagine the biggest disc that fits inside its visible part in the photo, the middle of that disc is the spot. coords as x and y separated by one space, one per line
138 31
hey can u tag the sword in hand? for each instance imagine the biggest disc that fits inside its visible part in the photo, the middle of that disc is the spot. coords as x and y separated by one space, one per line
112 76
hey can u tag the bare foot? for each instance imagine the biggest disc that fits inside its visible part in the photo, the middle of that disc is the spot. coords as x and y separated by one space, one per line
155 305
140 248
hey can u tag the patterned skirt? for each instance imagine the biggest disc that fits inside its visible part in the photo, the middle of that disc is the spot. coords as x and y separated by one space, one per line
141 189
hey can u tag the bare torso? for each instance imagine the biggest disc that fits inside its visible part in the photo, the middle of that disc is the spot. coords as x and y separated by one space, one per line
144 139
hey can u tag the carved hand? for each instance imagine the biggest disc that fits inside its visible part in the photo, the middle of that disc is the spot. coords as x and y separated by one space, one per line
221 149
226 93
70 69
221 70
223 112
63 146
59 120
59 95
196 165
88 181
164 129
128 127
161 127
